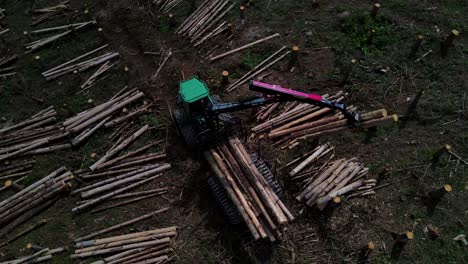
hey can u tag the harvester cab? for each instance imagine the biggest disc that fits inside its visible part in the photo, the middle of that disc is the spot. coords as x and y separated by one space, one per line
196 121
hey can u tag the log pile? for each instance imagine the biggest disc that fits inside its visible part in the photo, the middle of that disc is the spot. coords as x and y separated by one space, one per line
205 18
13 173
42 14
258 205
167 5
113 175
42 255
35 135
78 65
23 205
323 179
261 67
37 44
6 67
122 107
151 246
300 121
41 134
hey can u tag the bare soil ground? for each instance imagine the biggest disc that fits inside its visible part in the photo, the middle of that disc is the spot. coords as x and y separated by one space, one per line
329 35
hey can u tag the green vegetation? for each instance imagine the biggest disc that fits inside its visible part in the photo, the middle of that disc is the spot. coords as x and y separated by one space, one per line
361 32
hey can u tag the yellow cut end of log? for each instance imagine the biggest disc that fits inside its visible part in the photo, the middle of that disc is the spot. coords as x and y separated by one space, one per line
29 245
90 101
353 61
337 200
371 245
447 147
93 155
421 37
8 183
126 68
225 73
395 117
455 32
296 48
409 234
447 187
377 5
242 8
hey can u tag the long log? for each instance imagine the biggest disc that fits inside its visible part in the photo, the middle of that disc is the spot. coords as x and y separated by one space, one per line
111 194
244 47
121 243
115 227
168 231
120 248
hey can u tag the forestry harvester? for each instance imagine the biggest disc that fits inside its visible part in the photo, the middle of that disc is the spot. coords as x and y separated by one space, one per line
204 121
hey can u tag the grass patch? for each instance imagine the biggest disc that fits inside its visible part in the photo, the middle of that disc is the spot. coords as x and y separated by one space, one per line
360 32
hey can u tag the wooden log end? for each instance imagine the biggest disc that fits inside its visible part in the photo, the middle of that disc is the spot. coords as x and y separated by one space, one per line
395 117
447 187
337 200
370 246
455 32
8 183
409 235
296 48
447 147
420 37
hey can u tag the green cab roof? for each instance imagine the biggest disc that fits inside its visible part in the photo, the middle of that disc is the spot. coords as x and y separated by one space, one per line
193 90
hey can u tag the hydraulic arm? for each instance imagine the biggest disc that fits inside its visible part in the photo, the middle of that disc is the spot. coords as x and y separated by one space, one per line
274 93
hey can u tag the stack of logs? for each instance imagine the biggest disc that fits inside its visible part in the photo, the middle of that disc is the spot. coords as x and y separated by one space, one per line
78 65
300 121
115 175
20 207
108 114
207 16
34 135
41 134
152 246
37 44
42 14
260 208
166 5
6 67
323 179
261 67
41 255
14 172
